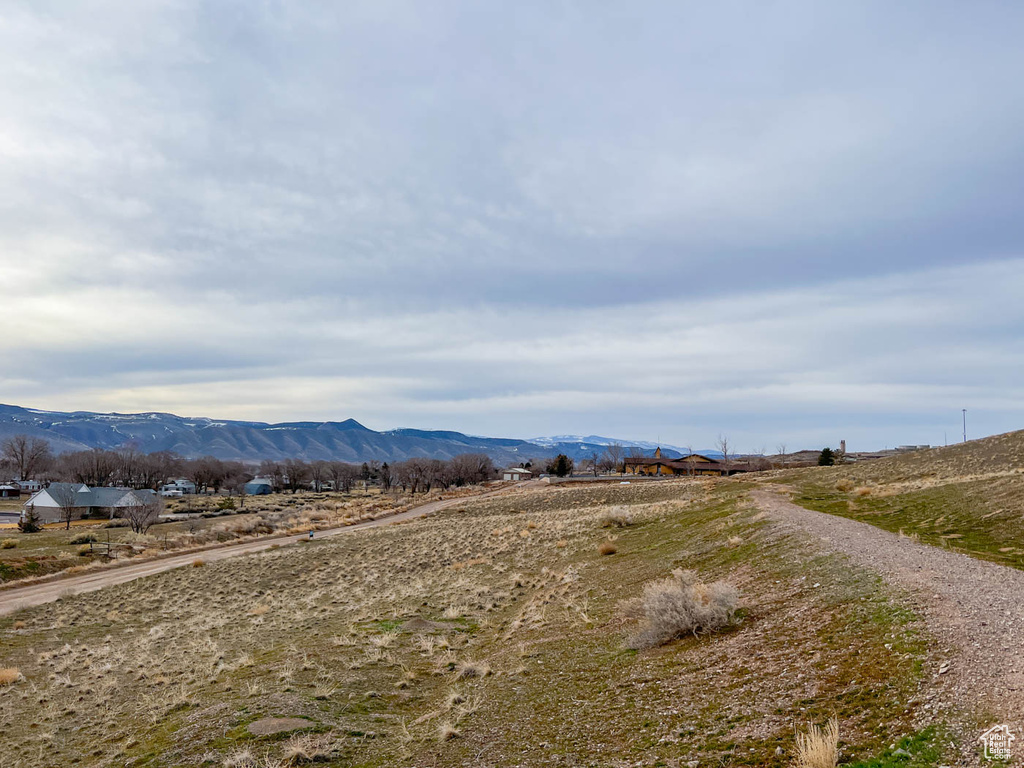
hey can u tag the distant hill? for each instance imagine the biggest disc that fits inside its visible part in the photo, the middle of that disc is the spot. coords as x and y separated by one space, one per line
253 440
960 462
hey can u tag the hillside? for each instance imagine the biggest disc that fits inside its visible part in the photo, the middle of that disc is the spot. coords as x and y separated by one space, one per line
497 633
968 496
252 440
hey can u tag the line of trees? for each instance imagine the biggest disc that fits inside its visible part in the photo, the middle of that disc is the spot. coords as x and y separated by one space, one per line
29 458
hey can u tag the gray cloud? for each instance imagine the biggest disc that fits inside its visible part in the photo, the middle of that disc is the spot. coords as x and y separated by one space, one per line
665 220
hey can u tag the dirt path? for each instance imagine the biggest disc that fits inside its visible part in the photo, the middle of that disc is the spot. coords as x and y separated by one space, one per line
16 598
973 608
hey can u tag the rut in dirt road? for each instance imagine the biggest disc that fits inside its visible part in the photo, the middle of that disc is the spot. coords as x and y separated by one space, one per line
972 607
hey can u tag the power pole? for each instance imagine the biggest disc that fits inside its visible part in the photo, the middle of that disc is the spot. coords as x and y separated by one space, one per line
965 424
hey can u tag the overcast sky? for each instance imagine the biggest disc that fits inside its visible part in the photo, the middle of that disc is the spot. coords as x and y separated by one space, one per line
782 221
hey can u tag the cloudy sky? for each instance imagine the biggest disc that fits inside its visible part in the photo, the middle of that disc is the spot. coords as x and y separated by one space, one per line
788 222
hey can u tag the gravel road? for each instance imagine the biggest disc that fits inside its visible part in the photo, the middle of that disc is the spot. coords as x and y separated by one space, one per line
972 608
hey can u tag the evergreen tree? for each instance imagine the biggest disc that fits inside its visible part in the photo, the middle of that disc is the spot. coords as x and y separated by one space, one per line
827 458
29 522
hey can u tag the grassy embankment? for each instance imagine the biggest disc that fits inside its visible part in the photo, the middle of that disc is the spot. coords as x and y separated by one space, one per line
492 634
969 496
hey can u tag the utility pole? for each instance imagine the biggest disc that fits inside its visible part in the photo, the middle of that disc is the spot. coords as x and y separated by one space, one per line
965 424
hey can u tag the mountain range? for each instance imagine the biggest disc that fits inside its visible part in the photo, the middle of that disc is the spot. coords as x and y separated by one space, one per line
254 440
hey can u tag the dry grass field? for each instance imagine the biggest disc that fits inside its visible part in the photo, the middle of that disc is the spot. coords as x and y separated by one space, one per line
54 549
969 496
494 634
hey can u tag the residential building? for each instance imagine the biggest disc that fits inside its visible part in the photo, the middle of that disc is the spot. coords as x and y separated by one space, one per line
83 501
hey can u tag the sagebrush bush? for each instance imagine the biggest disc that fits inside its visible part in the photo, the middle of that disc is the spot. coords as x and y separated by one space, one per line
8 544
682 605
617 518
83 538
845 485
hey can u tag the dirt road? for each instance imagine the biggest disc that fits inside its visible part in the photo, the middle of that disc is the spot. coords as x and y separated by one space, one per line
973 608
16 598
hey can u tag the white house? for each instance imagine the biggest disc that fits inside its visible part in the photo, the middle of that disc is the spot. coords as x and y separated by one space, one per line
515 474
179 486
83 500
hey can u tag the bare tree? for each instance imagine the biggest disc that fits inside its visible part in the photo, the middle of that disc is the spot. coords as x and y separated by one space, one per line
781 450
723 445
143 513
343 475
298 473
28 455
93 467
209 473
386 476
273 471
66 497
318 475
614 454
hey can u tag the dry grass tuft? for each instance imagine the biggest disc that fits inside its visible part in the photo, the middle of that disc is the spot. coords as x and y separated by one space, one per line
447 732
243 758
198 563
9 675
305 749
844 485
819 747
682 605
8 543
19 625
608 547
468 669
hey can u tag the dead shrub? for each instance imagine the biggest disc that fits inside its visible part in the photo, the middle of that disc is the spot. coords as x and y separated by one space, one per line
617 518
819 747
682 605
9 675
608 547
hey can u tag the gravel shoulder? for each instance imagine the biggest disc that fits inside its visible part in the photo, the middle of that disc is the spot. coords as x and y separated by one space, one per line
972 608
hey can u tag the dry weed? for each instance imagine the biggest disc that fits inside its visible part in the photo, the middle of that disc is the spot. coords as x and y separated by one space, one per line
819 747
